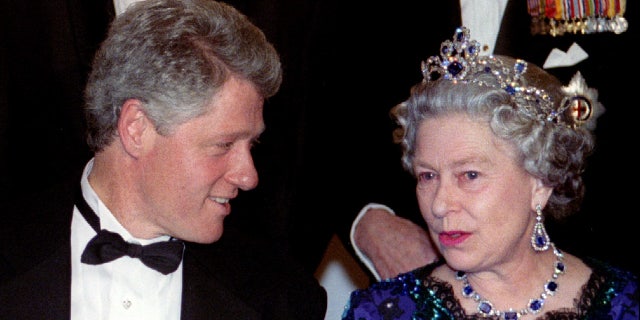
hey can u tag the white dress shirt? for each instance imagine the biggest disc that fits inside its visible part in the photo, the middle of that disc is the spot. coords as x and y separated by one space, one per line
122 289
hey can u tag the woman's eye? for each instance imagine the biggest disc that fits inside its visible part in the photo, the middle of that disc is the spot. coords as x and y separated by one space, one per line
471 175
426 176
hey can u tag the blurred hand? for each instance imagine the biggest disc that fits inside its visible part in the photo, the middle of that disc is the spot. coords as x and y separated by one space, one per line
395 245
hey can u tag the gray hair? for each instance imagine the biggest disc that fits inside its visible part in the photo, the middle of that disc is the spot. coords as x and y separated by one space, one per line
174 56
552 152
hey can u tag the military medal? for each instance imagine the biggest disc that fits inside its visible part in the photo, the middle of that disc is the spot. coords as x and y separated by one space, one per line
560 17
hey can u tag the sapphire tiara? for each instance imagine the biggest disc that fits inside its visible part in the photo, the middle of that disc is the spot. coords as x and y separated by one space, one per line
460 61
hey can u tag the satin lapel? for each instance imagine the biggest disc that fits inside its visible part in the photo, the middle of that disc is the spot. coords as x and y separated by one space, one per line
41 256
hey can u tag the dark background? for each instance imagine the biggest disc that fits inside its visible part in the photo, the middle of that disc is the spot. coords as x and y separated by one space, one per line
327 149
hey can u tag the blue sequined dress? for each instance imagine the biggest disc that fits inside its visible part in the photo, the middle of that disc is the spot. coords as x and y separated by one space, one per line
610 293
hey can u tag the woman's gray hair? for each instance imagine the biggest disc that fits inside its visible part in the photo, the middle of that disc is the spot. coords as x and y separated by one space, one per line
552 152
174 55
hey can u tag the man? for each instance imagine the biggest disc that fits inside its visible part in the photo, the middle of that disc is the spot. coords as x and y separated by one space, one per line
174 105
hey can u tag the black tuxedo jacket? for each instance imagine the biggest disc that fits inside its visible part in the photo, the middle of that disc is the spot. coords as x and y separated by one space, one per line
238 277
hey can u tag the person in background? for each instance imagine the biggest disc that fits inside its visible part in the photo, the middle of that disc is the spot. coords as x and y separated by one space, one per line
174 105
497 145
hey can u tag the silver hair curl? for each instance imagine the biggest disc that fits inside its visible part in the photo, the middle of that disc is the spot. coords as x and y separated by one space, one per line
174 55
554 153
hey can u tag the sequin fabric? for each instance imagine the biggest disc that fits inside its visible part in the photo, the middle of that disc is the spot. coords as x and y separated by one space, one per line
610 293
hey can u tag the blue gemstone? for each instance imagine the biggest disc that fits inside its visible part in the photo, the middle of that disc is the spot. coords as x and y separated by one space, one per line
519 67
467 290
485 307
511 90
560 266
536 305
552 286
454 68
540 241
510 315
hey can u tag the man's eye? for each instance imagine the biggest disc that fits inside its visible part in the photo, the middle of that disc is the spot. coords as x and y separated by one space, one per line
226 145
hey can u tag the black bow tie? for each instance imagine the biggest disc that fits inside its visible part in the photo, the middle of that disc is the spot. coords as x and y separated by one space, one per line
164 257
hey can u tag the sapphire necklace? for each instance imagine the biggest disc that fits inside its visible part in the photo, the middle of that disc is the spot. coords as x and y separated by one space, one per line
485 307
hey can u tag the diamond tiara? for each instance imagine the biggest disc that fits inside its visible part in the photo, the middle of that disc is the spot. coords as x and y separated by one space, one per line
460 61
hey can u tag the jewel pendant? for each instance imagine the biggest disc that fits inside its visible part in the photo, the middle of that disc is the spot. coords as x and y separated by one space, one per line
540 239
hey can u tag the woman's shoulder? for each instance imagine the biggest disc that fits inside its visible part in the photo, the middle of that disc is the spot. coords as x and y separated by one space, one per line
395 298
610 278
610 270
385 299
403 285
610 291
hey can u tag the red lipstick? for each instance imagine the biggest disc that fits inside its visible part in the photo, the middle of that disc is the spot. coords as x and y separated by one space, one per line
452 238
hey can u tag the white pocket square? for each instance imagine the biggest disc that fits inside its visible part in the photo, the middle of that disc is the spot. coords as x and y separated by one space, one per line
559 58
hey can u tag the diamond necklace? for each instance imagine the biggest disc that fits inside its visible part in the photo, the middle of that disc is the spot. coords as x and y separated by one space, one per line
485 307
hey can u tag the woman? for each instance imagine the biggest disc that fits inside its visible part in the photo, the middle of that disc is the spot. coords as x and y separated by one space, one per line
495 146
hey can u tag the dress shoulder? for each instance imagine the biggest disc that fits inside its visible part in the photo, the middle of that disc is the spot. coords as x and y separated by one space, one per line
610 293
404 297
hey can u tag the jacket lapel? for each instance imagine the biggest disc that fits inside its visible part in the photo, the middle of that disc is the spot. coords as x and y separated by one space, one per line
49 281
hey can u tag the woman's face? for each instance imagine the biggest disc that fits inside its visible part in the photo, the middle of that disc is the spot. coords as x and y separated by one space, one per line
475 197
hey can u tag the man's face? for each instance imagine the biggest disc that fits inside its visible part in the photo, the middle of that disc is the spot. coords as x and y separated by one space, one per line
190 175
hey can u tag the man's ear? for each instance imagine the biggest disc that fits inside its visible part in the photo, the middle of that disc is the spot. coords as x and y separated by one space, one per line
132 125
